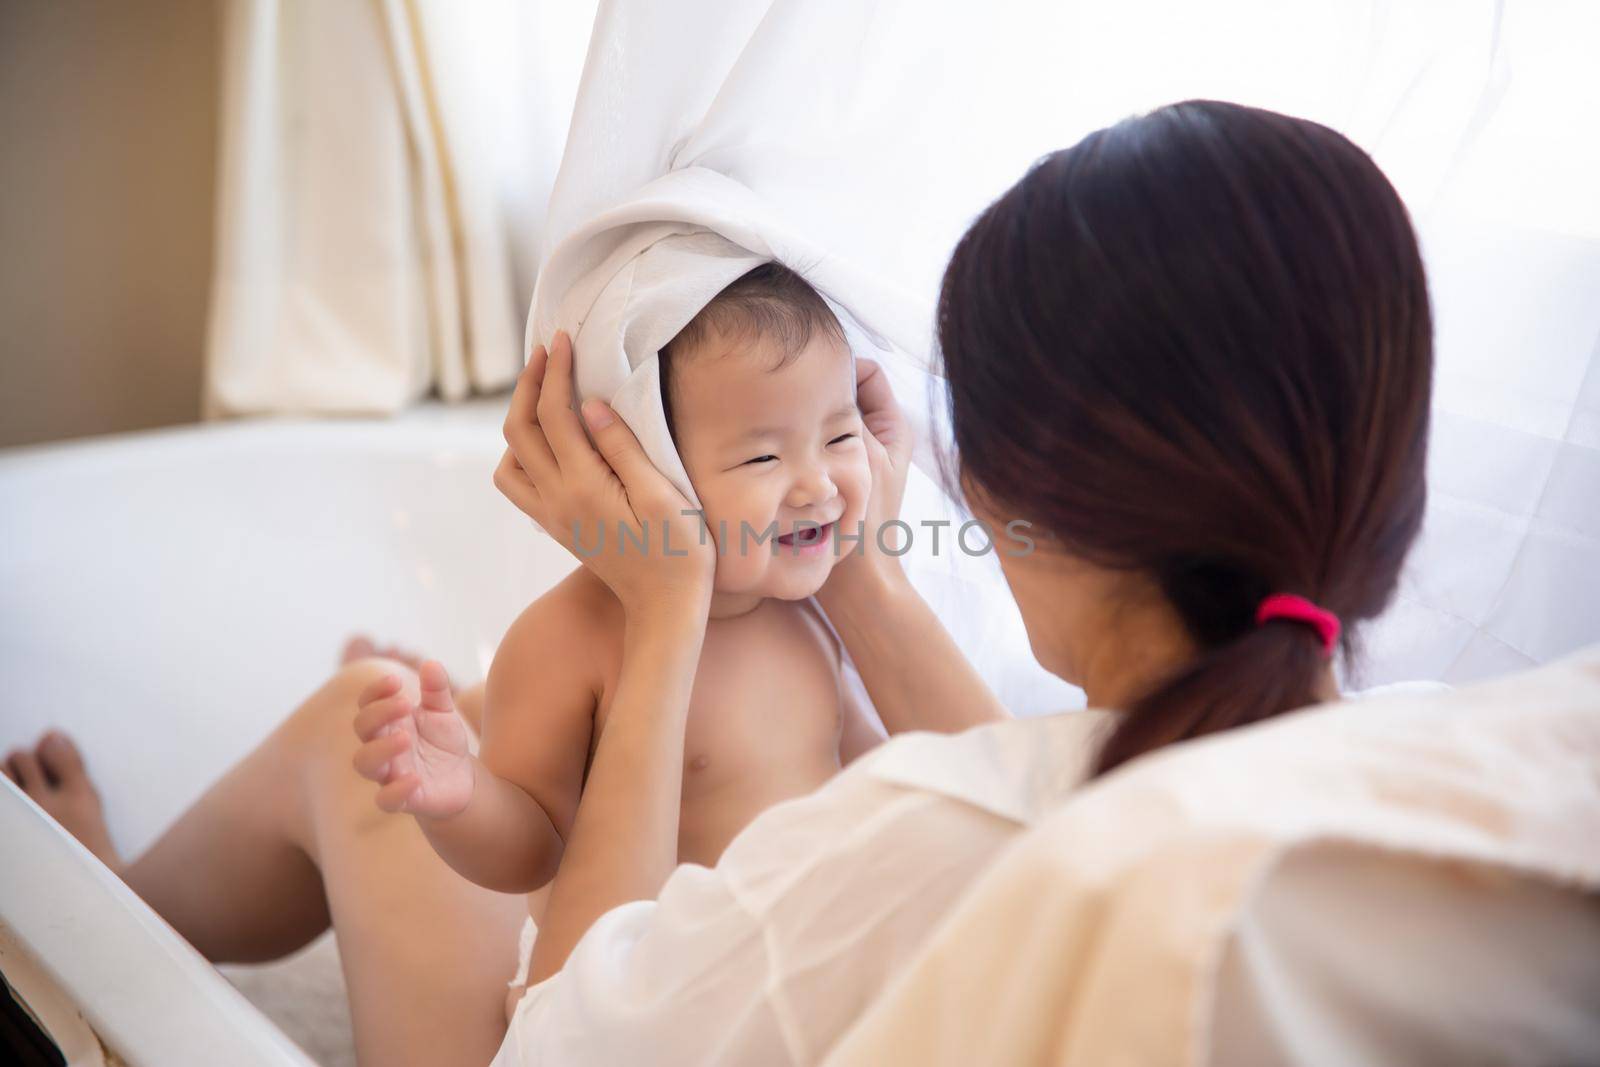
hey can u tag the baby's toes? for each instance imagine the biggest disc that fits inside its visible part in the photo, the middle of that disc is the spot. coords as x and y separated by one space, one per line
358 647
63 788
23 768
9 768
404 655
63 762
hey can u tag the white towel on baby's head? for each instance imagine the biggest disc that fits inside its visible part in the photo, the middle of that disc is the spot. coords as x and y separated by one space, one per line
624 284
624 311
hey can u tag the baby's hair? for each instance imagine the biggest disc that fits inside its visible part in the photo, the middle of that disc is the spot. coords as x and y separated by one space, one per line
771 302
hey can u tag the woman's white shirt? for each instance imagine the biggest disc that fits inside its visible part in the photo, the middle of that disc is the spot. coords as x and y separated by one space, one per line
772 954
1408 878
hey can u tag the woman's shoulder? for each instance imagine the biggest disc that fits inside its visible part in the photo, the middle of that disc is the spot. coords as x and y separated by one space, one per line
1016 769
919 799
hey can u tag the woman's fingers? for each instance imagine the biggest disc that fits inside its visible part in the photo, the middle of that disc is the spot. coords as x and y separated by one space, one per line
560 423
372 759
514 485
522 430
621 449
875 398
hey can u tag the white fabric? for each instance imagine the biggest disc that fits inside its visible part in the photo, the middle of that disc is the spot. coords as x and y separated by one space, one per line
354 185
1400 880
673 167
1345 956
735 143
673 186
951 900
525 939
624 311
381 163
630 279
872 133
381 184
768 956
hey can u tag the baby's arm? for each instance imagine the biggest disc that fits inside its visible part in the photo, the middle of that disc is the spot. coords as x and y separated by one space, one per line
538 716
500 819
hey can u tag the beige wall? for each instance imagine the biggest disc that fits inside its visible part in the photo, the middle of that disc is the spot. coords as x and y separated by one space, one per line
107 150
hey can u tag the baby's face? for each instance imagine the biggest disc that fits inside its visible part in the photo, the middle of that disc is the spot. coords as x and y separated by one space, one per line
777 448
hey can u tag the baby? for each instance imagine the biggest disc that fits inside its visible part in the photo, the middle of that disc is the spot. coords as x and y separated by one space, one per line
759 391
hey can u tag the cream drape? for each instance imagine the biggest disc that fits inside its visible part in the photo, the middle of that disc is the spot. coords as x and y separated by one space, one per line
382 180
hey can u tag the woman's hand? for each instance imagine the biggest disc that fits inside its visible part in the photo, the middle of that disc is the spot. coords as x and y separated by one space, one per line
635 779
582 497
888 441
917 676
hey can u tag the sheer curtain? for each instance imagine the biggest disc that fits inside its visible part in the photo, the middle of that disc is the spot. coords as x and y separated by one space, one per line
383 174
1485 115
880 129
386 166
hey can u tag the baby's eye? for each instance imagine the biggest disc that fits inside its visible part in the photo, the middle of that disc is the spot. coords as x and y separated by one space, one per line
762 459
841 437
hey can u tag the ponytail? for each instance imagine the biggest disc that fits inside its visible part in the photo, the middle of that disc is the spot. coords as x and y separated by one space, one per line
1264 672
1253 664
1197 346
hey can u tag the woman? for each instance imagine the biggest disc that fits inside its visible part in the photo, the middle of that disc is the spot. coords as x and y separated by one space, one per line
1194 351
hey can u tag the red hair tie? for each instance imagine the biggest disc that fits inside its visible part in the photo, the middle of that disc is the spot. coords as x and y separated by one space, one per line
1299 609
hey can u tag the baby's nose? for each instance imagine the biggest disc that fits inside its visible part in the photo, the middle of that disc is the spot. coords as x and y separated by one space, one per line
812 487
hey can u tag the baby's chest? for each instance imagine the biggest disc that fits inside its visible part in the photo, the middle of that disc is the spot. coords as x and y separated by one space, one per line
765 709
756 711
762 701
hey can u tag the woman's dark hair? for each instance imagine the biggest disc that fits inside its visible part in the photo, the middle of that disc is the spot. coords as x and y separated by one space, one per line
1197 345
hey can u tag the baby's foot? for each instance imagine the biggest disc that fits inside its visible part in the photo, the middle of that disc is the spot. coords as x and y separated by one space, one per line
52 773
361 646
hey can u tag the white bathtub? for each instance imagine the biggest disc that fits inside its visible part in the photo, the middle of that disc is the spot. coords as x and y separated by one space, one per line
169 596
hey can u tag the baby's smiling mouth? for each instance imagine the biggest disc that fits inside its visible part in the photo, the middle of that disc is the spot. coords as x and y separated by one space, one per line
807 535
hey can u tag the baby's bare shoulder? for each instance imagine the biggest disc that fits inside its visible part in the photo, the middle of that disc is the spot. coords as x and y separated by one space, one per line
542 691
571 625
553 658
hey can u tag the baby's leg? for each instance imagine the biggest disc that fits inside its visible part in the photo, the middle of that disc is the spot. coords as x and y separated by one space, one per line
231 874
426 953
290 838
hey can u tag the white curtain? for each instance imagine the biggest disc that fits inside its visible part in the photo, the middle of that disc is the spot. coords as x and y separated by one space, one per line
383 174
879 129
386 166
